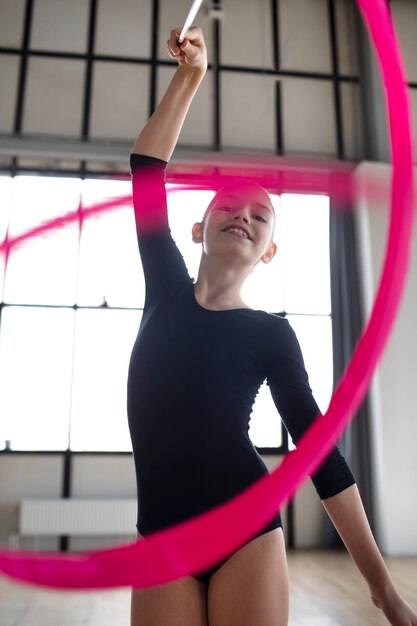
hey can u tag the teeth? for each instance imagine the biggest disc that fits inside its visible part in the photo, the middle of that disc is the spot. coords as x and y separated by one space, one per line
237 231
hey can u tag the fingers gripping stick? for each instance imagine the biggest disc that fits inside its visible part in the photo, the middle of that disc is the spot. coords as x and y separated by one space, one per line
190 18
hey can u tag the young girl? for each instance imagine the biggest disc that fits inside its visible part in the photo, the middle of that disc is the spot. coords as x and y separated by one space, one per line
199 359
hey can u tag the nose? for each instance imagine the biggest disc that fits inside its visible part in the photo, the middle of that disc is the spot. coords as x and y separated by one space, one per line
242 213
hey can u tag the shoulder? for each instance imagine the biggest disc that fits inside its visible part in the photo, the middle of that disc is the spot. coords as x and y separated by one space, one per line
277 334
271 329
268 322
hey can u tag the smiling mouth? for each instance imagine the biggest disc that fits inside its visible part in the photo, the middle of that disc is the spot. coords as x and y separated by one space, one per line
238 232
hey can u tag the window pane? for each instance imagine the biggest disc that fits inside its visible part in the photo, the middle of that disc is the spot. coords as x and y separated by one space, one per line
54 96
109 263
234 48
114 114
35 377
5 203
315 336
308 122
305 248
11 22
42 270
253 124
9 73
117 28
265 425
60 26
103 343
304 35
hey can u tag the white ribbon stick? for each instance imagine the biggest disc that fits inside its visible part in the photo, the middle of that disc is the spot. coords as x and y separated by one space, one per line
190 18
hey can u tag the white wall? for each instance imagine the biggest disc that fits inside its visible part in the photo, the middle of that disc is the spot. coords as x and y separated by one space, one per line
394 388
26 476
34 475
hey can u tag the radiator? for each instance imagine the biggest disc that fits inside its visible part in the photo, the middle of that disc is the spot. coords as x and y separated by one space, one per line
77 517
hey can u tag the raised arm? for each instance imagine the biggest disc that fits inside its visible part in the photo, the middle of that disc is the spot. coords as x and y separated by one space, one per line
159 137
348 516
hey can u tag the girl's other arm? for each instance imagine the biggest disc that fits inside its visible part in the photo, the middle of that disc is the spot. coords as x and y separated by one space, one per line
348 516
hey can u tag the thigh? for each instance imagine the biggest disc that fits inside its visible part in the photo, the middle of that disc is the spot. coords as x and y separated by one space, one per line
252 586
180 603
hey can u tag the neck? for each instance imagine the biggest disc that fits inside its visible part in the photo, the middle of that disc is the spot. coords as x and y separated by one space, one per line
218 287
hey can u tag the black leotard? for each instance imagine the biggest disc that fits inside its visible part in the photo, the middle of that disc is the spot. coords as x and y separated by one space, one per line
193 378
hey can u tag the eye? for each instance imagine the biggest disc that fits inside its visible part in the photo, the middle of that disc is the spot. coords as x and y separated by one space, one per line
228 209
260 219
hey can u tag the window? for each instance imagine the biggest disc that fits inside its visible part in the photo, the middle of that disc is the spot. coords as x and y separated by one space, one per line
109 267
35 376
42 269
73 297
103 342
301 77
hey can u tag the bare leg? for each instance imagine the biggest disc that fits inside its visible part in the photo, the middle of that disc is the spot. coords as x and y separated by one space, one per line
180 603
252 586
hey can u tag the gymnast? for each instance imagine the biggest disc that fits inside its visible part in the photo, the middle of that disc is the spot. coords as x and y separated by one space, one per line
199 359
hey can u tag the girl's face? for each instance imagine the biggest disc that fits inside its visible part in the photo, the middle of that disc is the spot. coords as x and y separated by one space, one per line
239 221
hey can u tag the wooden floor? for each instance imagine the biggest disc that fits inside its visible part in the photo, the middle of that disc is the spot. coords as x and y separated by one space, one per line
325 591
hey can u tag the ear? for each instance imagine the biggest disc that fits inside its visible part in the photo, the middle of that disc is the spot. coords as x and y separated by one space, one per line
269 254
197 232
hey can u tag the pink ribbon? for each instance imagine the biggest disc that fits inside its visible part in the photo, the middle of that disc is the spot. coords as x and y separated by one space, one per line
199 543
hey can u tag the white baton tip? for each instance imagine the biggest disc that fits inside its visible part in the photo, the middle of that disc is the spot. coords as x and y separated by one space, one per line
190 18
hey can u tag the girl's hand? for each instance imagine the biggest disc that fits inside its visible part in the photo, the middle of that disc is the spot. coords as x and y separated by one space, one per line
192 51
396 610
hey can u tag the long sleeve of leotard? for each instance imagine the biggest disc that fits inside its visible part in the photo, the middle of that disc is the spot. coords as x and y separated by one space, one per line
162 262
291 392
